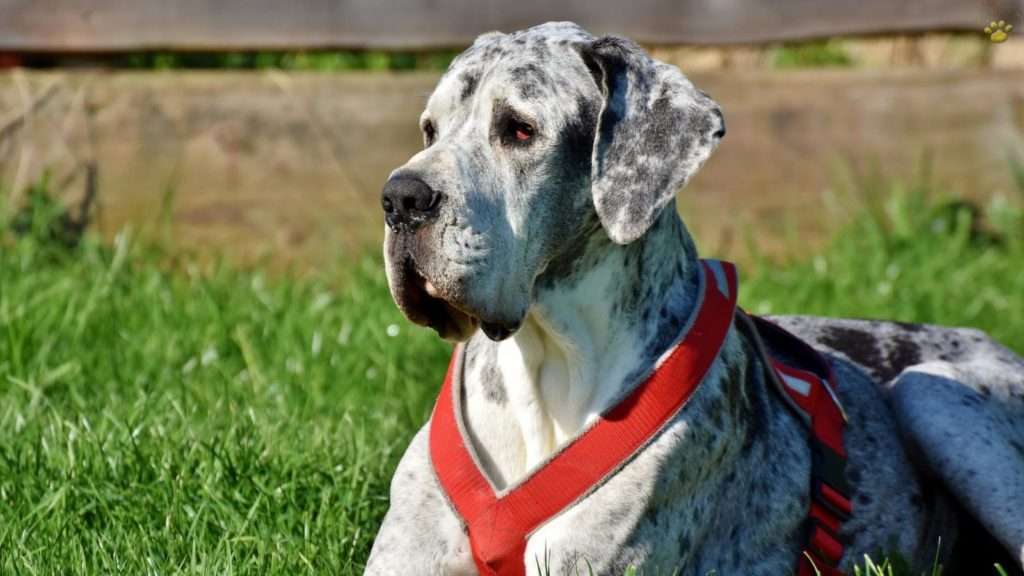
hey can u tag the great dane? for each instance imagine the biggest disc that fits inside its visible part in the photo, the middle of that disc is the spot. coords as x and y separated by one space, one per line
538 226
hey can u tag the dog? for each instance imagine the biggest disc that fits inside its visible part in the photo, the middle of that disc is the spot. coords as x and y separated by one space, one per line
538 228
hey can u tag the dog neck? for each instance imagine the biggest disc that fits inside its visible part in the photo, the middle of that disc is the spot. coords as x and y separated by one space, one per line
598 325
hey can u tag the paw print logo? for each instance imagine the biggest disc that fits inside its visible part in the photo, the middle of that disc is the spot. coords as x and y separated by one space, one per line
998 31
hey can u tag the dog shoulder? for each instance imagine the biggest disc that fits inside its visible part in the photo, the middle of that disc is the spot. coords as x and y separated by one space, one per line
420 532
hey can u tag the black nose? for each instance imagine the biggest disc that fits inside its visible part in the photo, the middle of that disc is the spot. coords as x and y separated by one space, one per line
408 202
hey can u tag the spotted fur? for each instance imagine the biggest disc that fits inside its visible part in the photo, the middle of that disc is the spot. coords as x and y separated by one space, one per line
567 250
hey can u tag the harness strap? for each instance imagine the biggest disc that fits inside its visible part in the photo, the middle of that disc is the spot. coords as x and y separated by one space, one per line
499 525
810 394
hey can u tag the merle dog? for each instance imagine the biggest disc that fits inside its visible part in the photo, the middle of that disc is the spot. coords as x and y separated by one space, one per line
538 226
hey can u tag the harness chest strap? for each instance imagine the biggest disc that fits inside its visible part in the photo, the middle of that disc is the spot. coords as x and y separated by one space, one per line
499 525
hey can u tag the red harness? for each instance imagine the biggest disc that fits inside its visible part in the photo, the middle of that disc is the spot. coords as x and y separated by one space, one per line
499 526
810 391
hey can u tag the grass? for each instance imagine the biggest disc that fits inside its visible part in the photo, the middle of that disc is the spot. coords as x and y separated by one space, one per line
158 418
812 54
313 60
325 61
155 418
830 53
913 258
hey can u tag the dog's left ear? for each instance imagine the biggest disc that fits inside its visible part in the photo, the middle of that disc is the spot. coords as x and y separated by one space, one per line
654 131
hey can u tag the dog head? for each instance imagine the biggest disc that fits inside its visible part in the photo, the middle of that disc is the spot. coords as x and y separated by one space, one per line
533 140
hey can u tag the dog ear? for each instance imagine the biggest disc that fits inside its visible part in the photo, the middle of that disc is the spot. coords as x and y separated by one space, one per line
654 131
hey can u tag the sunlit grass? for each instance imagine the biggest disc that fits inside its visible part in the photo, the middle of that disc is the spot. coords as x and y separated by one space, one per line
159 418
912 259
156 420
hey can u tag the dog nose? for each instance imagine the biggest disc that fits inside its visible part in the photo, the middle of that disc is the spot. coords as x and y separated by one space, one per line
408 202
720 133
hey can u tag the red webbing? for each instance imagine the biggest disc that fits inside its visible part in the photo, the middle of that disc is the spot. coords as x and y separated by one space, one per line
499 527
827 424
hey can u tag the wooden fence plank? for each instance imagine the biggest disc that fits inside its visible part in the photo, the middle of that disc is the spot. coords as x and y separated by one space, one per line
292 164
127 25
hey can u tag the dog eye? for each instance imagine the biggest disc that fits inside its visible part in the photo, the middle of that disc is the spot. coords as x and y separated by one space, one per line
518 132
429 133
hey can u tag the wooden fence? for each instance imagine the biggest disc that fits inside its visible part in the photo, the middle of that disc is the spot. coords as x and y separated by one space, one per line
292 164
97 26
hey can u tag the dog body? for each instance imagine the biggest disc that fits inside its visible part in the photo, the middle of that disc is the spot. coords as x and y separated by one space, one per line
542 211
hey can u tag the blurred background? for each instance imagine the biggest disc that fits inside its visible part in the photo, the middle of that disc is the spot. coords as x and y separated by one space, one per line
260 127
201 369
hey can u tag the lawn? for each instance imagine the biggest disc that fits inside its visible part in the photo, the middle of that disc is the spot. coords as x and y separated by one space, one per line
163 416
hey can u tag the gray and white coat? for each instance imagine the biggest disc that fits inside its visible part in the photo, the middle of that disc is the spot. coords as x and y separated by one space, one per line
538 225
